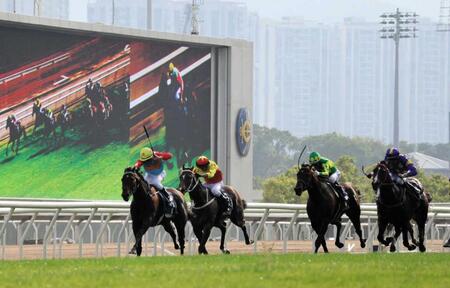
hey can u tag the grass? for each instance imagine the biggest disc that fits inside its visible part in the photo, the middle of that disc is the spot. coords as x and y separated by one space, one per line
76 170
272 270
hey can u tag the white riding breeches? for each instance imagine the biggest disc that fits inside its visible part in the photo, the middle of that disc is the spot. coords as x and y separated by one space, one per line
333 178
215 188
155 180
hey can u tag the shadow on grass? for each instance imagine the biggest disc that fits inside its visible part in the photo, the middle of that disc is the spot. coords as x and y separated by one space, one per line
7 159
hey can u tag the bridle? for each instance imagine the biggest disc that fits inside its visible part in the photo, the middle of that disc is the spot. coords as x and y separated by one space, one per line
194 181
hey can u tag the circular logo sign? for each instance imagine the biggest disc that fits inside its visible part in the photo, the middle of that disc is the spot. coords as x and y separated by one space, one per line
243 131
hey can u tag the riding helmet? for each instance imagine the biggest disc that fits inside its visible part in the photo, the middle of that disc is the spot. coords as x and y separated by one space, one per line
171 66
202 162
392 153
314 157
146 154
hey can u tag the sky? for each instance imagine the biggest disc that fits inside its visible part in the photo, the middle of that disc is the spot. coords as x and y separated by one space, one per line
316 10
337 10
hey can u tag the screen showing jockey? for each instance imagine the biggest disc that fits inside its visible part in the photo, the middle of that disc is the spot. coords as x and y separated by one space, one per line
326 168
154 174
174 73
401 168
213 177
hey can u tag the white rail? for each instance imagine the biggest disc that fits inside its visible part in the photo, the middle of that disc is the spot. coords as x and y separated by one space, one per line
99 222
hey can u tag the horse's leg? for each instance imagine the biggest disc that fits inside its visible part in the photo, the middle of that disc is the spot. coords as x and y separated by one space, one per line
322 237
198 233
205 236
238 220
381 228
405 237
393 240
421 226
138 244
411 233
223 230
7 144
354 216
179 225
338 243
169 229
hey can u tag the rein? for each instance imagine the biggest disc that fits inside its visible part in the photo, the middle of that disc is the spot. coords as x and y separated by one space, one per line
192 187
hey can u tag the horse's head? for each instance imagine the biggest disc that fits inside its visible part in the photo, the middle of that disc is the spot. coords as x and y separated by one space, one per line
188 180
130 182
382 175
305 179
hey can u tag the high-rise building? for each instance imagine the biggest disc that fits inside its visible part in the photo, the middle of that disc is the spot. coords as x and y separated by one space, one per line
123 13
45 8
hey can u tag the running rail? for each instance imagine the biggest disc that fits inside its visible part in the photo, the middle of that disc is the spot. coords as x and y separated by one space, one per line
50 223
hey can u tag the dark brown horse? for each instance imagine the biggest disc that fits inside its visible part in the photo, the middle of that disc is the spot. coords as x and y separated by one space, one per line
397 206
16 131
147 209
206 212
323 206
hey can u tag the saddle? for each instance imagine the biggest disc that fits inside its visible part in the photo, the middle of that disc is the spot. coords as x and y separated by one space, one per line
168 202
413 185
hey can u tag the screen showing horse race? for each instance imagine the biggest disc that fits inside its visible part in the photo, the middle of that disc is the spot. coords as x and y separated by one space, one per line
73 108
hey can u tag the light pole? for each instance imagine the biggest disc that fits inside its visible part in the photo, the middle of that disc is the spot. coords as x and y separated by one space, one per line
396 26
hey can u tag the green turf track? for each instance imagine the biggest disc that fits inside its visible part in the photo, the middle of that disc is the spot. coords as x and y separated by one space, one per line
74 170
291 270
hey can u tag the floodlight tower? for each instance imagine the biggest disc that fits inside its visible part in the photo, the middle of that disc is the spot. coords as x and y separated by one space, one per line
397 26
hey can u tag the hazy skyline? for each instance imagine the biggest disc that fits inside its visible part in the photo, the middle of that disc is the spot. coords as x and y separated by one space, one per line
315 10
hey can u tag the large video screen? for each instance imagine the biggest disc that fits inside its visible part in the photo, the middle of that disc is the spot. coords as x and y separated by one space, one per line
73 108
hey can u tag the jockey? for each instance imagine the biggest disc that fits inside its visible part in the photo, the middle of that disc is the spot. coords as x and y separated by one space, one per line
326 168
400 168
154 174
174 73
213 176
64 111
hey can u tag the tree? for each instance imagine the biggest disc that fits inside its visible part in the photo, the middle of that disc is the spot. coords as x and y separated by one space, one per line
280 189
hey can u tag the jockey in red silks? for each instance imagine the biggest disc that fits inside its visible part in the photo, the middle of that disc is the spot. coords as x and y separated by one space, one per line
154 174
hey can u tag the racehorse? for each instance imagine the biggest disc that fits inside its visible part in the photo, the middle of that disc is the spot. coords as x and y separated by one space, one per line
324 207
39 118
397 206
64 120
206 212
147 209
49 131
16 130
175 119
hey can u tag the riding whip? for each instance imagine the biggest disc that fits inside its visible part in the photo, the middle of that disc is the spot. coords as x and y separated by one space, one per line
148 137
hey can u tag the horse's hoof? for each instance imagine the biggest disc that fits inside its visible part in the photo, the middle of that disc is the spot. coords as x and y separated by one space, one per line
392 249
249 242
339 245
422 248
363 243
411 247
225 251
176 246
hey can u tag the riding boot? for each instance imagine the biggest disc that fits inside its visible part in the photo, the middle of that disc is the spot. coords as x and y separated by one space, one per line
226 204
169 203
343 195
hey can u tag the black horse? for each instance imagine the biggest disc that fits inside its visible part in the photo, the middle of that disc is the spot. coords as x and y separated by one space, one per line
49 136
16 131
176 118
206 212
398 206
147 209
39 116
64 121
323 206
